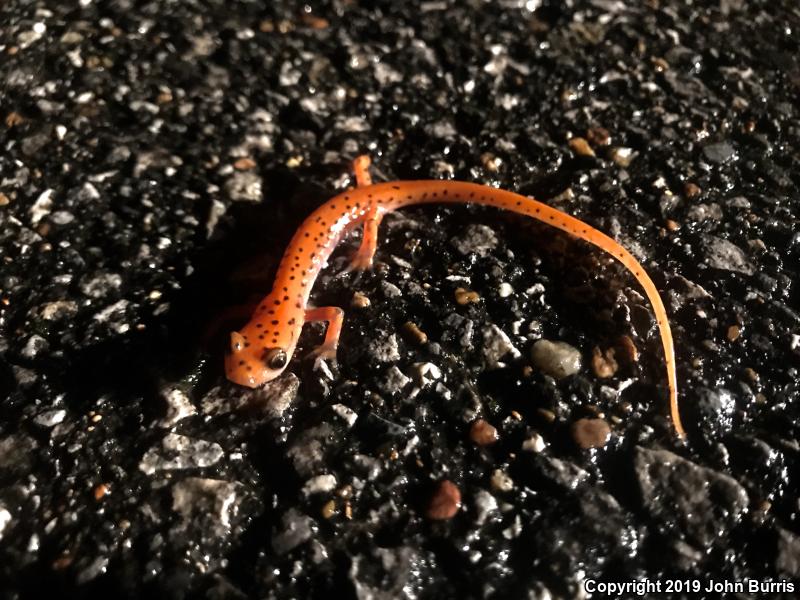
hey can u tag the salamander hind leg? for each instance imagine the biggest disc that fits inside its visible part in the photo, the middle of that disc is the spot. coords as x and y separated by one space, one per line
362 259
334 316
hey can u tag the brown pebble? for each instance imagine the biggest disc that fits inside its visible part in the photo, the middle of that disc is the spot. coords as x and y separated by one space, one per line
164 97
660 64
761 398
14 118
483 433
359 301
414 333
101 491
580 147
328 509
244 164
445 502
624 407
546 415
4 200
733 333
672 225
603 363
490 162
590 433
314 22
465 296
598 136
751 375
628 349
691 190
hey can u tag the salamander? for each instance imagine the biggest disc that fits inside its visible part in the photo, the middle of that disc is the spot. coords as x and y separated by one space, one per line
262 349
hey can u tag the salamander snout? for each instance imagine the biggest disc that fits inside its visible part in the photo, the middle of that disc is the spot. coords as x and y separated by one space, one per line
253 366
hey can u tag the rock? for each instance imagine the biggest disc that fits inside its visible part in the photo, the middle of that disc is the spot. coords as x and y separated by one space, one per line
685 498
719 153
496 345
787 560
5 520
385 573
722 254
482 433
384 349
244 186
590 433
347 414
180 452
179 406
50 418
319 485
557 359
445 502
393 381
476 239
211 500
297 529
485 504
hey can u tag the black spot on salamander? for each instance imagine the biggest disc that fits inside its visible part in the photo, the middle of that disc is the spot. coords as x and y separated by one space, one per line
274 321
274 340
259 325
271 312
298 305
249 368
306 234
241 363
347 197
519 203
537 210
472 194
292 321
291 278
277 303
285 289
552 217
286 297
395 187
261 337
247 344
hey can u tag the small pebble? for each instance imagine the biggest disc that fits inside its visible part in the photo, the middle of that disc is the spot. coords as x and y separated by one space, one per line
465 296
691 190
557 359
751 375
603 363
733 333
548 416
628 349
483 433
590 433
672 225
101 491
660 64
622 157
535 443
4 200
328 509
445 502
598 136
414 333
359 301
580 147
501 482
244 164
490 162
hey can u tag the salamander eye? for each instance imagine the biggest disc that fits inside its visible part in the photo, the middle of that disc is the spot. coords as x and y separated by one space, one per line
275 358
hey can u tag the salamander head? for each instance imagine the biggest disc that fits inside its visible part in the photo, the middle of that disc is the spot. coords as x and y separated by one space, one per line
252 365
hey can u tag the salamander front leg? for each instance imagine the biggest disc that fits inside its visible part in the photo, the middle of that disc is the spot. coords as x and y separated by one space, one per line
334 316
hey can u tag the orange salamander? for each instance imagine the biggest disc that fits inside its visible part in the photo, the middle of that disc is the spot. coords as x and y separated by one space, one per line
262 349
